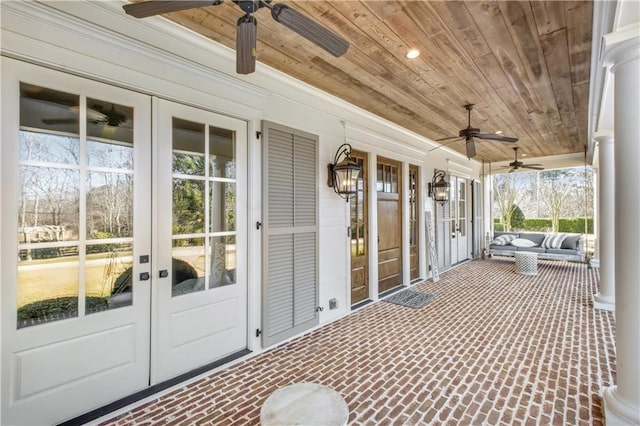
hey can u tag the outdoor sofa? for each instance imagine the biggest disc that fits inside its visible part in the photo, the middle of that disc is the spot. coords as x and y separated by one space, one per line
547 246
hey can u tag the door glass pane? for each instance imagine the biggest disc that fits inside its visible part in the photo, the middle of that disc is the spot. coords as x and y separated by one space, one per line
109 122
47 285
222 199
188 206
222 153
108 276
188 266
394 180
223 261
188 147
380 178
48 110
109 205
45 148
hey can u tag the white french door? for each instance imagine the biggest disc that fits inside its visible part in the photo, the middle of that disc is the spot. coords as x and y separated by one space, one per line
75 233
459 220
201 293
113 279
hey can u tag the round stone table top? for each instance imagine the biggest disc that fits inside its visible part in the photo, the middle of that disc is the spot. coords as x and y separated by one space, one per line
304 404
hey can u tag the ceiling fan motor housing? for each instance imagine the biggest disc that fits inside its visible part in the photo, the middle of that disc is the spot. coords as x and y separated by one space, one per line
469 131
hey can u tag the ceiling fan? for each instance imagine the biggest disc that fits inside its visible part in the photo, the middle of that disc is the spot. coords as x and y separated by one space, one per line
470 133
515 165
97 114
246 26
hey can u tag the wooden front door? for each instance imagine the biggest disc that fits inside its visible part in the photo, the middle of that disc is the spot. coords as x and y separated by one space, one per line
414 202
359 235
389 189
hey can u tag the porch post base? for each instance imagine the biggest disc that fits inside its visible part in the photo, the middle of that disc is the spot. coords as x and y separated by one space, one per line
606 303
618 411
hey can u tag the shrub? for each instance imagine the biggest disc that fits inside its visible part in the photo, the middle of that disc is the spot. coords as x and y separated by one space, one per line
540 225
517 218
61 307
498 227
575 225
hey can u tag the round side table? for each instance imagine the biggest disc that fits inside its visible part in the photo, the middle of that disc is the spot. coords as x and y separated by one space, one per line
526 263
304 404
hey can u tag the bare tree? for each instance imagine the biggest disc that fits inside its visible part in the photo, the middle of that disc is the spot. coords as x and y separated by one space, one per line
507 195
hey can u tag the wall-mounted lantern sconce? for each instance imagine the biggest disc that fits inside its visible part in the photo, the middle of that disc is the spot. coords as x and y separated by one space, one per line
344 173
439 188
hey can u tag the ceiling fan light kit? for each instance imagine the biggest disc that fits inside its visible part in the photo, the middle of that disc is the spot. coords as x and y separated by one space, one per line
246 32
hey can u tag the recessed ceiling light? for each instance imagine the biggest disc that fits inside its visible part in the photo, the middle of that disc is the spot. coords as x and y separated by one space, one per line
523 155
413 53
498 132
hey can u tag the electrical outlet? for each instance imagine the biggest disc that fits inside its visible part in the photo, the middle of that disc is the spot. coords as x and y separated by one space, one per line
333 304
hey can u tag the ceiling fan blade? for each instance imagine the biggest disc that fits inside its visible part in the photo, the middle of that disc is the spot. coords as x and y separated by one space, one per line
446 139
532 166
445 144
494 137
246 45
151 8
310 29
471 148
59 120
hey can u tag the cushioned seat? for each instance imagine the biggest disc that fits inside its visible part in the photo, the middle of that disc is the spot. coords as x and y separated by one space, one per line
532 249
563 251
503 248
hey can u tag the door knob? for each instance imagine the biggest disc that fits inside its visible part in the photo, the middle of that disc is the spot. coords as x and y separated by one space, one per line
144 276
164 273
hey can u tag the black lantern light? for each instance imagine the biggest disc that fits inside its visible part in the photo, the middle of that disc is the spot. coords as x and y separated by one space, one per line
439 188
344 173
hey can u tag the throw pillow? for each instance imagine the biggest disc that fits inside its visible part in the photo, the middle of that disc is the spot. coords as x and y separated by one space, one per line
503 240
553 241
522 242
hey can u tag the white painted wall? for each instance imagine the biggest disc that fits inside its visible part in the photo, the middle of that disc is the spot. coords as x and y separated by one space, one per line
97 40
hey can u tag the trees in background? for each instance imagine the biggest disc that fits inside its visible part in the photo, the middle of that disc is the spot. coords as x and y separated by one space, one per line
507 196
552 194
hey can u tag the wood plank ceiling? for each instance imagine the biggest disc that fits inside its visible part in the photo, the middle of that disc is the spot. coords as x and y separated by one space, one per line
524 64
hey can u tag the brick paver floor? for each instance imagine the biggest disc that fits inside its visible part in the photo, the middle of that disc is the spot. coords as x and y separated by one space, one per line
493 348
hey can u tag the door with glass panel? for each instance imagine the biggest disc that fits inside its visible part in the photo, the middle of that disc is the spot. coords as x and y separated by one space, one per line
75 244
359 234
458 217
201 293
414 203
389 192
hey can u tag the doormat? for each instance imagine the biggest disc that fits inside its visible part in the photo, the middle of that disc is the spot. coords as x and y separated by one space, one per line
410 298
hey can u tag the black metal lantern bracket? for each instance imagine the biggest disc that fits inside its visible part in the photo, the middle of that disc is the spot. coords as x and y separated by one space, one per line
343 173
439 187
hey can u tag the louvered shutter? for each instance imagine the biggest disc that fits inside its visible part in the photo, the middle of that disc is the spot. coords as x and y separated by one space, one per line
290 233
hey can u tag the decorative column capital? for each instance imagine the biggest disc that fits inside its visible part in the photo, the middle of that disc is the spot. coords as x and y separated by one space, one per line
622 46
604 139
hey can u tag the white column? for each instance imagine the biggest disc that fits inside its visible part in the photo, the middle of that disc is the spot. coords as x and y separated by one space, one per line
596 217
622 401
606 297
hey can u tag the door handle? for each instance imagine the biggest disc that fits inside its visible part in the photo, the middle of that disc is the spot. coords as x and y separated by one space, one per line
163 273
144 276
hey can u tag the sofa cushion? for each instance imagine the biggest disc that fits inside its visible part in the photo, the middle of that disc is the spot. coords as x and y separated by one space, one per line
553 241
503 248
532 249
536 238
523 242
566 252
571 242
503 239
